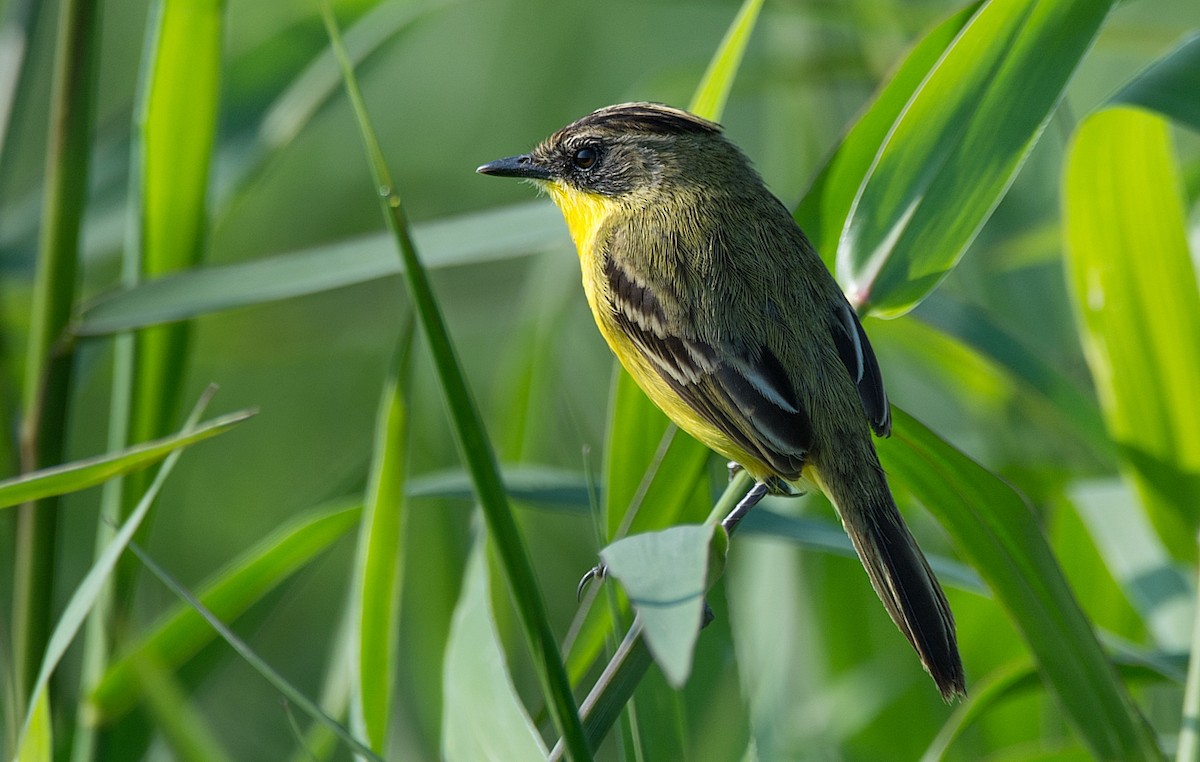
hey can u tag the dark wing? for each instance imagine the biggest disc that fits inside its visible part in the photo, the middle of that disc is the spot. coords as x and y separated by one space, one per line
745 393
859 359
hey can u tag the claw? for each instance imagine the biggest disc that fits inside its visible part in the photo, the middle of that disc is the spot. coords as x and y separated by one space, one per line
734 468
597 572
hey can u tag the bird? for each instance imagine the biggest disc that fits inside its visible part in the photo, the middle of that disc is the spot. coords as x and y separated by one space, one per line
718 306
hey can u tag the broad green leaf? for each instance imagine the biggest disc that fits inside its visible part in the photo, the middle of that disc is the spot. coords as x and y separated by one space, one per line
710 96
469 432
665 575
1136 301
957 146
468 239
483 718
994 527
90 588
182 632
822 212
1169 85
82 474
379 560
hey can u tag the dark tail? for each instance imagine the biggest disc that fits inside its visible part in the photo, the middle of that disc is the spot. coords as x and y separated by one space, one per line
898 570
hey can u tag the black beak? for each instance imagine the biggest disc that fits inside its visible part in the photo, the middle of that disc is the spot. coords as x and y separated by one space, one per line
516 166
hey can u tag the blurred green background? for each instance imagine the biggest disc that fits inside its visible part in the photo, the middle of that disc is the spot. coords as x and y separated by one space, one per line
461 83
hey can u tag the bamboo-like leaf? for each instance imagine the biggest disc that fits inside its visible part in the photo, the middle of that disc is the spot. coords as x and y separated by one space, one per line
470 434
1134 289
1169 85
957 146
379 560
82 474
822 213
514 231
483 717
993 526
182 632
710 96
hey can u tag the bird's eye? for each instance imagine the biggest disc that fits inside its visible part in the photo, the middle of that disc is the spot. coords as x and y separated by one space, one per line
585 158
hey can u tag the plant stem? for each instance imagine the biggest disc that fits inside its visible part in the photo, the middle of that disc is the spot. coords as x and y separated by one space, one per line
48 369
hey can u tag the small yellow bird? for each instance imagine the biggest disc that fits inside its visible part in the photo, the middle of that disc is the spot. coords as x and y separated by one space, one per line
717 305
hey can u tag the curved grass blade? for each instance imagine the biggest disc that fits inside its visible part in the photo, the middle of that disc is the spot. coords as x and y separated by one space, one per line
517 230
957 146
483 717
183 729
82 474
1134 289
1169 85
181 633
993 526
470 435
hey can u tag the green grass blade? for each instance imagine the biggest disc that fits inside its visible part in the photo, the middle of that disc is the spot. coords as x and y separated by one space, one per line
47 390
483 717
710 96
957 146
823 211
514 231
182 632
1138 307
471 437
93 583
254 660
379 561
993 526
82 474
1169 85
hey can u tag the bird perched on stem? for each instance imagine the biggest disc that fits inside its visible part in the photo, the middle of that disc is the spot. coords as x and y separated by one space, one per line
717 305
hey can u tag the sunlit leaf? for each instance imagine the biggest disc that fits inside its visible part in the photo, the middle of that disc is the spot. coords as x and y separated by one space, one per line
710 96
1134 290
957 146
823 211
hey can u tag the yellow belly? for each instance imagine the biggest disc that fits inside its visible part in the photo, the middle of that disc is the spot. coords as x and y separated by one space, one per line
585 214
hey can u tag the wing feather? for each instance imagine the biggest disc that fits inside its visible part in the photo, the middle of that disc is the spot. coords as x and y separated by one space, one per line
745 393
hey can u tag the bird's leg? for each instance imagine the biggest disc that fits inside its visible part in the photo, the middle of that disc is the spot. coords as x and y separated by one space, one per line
756 493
